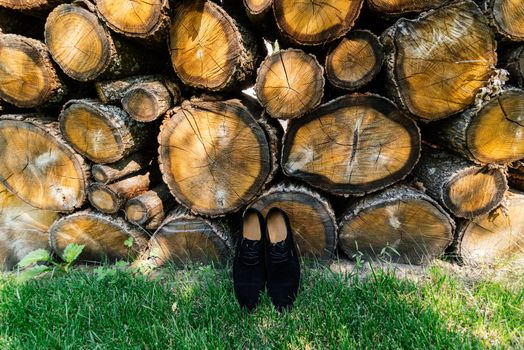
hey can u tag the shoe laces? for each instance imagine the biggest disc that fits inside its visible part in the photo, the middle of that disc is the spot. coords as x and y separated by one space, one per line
250 251
278 252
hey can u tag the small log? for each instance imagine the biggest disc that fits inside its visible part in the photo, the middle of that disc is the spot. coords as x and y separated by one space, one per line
22 229
27 76
289 83
84 48
102 133
355 61
258 8
311 22
148 100
496 238
103 236
150 208
352 145
214 156
513 62
209 49
399 223
463 187
38 165
507 16
492 134
311 216
106 173
393 8
37 7
439 73
147 20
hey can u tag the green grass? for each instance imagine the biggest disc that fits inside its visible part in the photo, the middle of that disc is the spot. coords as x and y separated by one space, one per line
196 309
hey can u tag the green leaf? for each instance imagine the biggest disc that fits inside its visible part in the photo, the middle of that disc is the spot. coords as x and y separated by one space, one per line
129 242
32 272
121 263
34 257
72 251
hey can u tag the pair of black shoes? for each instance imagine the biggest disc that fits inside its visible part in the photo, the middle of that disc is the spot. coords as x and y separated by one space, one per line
266 257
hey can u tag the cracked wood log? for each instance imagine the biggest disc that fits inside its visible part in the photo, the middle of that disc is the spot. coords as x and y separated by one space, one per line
353 145
311 216
355 61
507 16
209 49
39 166
492 134
102 133
496 238
150 208
214 156
289 83
83 47
393 8
399 224
439 61
106 173
27 76
22 229
312 22
513 62
147 20
464 188
103 236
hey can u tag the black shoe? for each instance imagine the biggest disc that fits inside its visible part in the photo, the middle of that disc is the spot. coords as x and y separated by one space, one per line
249 272
282 265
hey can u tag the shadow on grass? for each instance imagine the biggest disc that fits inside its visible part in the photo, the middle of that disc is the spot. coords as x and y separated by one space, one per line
196 309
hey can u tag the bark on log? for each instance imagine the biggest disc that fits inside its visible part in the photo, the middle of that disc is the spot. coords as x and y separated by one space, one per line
311 216
147 20
289 83
209 49
494 239
38 166
507 16
492 134
106 173
103 236
399 223
355 61
439 61
150 208
312 22
464 188
214 156
352 145
393 8
27 76
513 62
84 48
22 229
102 133
258 8
31 6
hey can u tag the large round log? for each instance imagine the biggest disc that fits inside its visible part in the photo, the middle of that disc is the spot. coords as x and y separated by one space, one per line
38 166
103 236
439 61
507 17
149 209
352 145
399 224
311 216
399 7
214 156
27 76
209 49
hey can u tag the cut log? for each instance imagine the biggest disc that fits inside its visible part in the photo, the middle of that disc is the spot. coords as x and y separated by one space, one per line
148 100
289 83
311 216
352 145
496 238
439 61
102 133
150 208
209 49
355 61
493 134
106 173
312 22
103 236
38 166
143 19
22 229
31 6
214 156
513 62
464 188
399 7
400 224
110 198
84 48
27 76
507 17
257 8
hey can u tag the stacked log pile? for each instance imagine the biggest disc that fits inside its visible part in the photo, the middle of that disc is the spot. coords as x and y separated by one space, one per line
387 129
